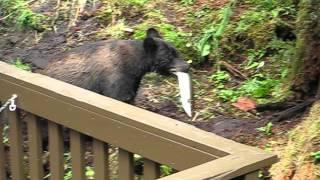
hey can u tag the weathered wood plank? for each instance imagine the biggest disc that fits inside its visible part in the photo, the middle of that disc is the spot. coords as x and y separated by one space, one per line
126 171
74 107
101 160
56 151
151 170
105 127
224 168
16 151
77 155
35 147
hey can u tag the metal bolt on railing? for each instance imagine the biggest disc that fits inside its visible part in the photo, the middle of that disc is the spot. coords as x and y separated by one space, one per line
11 103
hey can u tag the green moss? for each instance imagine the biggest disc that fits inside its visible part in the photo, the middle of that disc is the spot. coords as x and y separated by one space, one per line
304 24
301 143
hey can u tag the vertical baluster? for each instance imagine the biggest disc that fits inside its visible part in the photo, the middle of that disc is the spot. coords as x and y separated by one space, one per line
56 151
35 147
77 155
2 155
101 160
16 152
126 171
151 170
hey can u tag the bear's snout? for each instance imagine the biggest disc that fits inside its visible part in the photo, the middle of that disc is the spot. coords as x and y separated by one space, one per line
179 65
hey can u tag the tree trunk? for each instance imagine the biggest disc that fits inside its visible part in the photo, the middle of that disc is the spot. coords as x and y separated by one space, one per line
306 68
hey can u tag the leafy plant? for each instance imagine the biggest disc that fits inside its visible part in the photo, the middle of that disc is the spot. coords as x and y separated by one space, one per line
316 155
19 64
267 130
220 77
204 44
89 172
165 170
18 12
258 87
67 167
67 175
212 34
254 59
228 94
204 11
5 134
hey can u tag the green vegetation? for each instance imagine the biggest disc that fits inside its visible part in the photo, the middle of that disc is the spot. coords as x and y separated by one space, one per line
316 155
302 146
266 55
267 129
89 172
5 134
169 33
67 166
19 64
187 2
258 87
165 170
132 2
213 32
19 13
233 32
223 35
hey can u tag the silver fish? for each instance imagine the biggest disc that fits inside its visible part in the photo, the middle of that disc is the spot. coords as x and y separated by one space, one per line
185 87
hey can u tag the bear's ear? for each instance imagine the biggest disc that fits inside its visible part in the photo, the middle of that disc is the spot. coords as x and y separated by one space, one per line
153 33
150 45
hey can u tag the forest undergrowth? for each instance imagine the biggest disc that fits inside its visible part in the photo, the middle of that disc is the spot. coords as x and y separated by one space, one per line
241 53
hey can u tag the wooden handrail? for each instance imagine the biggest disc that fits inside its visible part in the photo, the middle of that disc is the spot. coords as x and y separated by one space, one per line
155 137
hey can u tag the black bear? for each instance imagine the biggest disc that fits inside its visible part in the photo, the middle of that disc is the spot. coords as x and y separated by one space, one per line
114 68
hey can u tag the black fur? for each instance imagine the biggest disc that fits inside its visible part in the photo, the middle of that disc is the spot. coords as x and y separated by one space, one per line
114 68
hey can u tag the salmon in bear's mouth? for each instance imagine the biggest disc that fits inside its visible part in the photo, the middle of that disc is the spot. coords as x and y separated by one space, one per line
185 87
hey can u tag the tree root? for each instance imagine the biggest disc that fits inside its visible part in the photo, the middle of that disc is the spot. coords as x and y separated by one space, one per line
288 110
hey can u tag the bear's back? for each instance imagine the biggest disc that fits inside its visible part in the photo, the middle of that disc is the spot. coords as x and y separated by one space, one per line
85 65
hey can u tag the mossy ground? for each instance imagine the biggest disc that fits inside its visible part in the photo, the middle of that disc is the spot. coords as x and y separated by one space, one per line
296 160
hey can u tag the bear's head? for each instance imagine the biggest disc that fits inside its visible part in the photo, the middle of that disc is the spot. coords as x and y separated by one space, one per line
165 58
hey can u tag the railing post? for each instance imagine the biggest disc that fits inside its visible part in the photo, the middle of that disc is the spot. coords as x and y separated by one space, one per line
56 151
77 155
101 160
15 140
2 155
126 171
151 170
35 147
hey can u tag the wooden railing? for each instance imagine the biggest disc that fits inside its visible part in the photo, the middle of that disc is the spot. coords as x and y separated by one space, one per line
192 153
